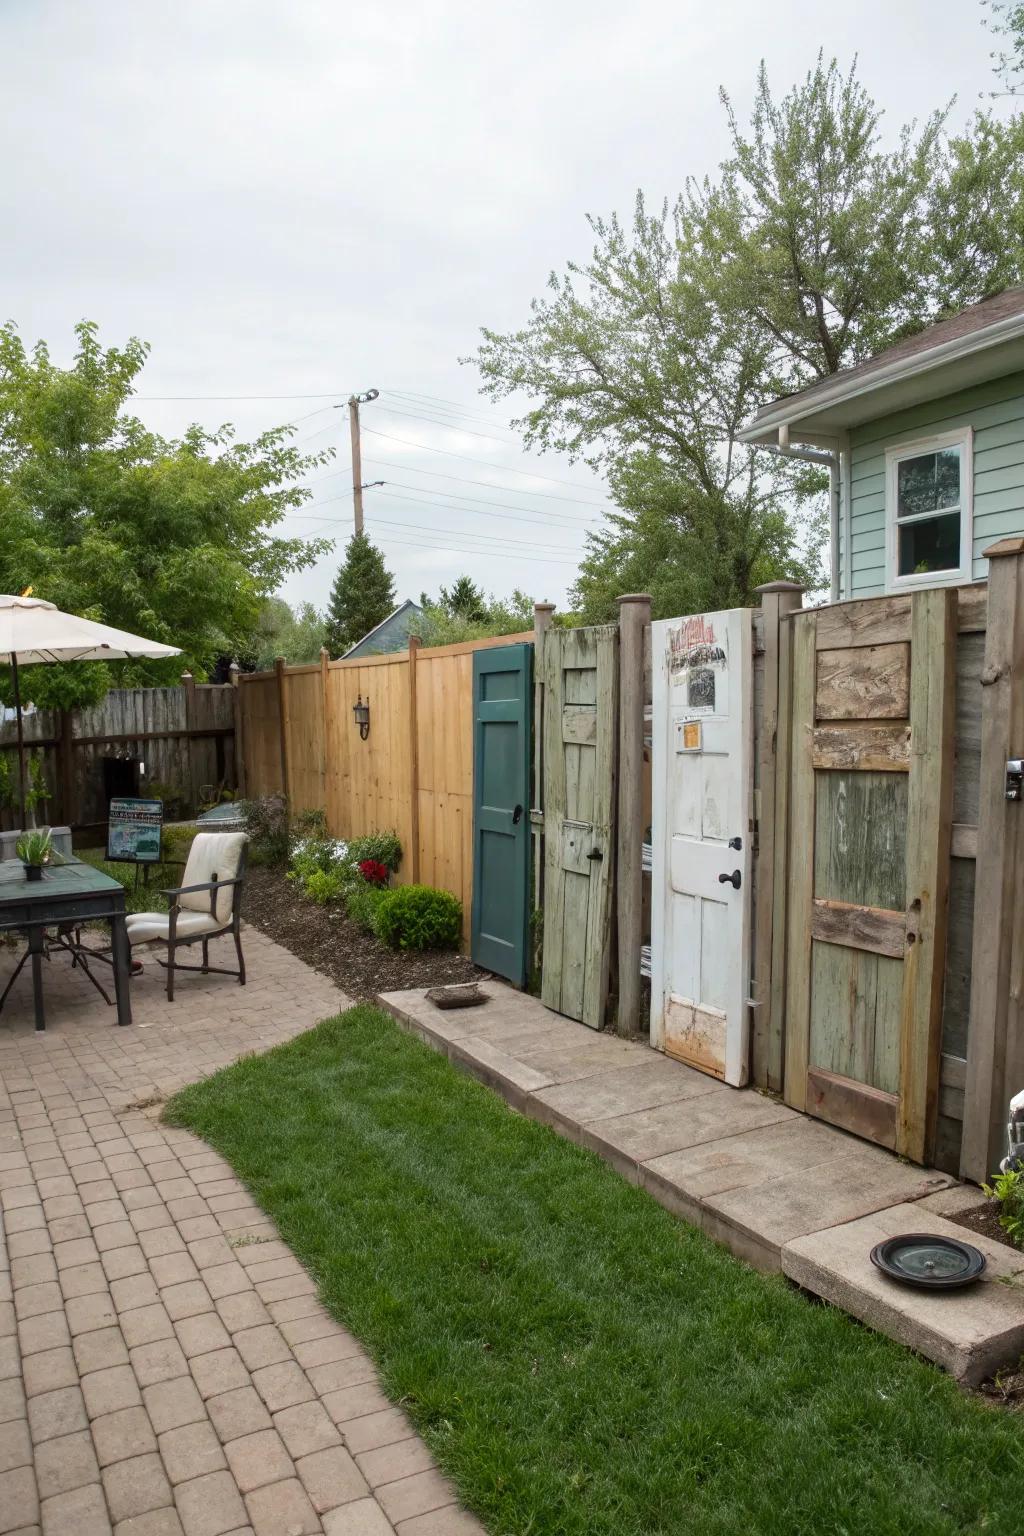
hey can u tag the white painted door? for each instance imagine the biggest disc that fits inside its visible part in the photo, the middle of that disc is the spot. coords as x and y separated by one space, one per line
701 834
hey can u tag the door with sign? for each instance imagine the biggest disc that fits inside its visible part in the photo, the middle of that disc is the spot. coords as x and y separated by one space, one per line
702 832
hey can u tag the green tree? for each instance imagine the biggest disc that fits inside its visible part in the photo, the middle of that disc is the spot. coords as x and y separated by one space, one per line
296 634
444 625
976 213
362 596
463 600
1006 20
172 539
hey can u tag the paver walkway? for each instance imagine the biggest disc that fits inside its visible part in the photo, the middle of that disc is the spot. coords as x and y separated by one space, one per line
165 1366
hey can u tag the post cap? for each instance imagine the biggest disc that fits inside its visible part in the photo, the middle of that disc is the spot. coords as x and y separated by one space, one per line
781 586
634 597
544 607
1014 546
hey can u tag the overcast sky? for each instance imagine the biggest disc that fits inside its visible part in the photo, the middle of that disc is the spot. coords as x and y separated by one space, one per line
294 198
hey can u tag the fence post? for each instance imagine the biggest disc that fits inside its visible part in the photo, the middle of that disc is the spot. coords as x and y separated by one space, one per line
995 1047
66 767
282 711
188 682
778 600
543 618
634 616
234 672
414 762
325 691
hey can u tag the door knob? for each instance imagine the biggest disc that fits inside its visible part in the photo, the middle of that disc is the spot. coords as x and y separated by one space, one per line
517 815
736 842
735 879
595 853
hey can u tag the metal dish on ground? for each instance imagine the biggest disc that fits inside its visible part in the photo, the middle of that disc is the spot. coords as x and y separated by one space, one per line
929 1262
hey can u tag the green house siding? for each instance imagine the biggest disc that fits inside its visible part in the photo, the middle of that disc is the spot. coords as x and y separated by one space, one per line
996 413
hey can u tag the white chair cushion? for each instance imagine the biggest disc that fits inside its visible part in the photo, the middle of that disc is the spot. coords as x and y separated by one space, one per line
144 927
213 853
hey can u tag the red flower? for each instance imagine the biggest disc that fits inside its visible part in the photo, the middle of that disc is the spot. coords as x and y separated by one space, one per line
374 872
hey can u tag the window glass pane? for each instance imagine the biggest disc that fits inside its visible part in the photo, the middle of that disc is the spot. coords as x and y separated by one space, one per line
928 483
930 545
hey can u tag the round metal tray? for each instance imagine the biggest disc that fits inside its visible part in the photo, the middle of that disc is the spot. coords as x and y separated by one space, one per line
928 1262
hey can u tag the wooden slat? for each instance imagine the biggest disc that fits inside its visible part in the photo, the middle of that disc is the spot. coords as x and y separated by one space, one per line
865 682
780 874
801 863
843 922
972 607
929 828
856 1107
856 746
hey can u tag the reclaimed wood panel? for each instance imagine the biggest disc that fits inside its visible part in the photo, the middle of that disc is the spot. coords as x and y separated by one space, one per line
860 847
801 861
872 748
868 682
843 922
855 1008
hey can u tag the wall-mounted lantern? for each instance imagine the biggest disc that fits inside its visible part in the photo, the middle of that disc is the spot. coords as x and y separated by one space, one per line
361 715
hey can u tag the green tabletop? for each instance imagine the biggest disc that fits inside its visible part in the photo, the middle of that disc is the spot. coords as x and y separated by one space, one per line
70 879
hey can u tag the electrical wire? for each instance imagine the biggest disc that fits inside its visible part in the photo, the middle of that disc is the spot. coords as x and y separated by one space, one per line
512 441
530 474
509 546
523 515
571 519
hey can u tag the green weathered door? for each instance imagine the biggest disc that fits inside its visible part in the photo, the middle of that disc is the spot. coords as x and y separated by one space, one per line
502 696
579 671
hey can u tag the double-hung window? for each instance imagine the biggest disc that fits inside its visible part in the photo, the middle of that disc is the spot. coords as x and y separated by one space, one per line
928 511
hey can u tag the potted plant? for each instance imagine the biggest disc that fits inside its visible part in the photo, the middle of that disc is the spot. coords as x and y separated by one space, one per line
35 852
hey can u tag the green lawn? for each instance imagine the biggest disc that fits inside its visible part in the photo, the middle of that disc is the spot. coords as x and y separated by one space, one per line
581 1363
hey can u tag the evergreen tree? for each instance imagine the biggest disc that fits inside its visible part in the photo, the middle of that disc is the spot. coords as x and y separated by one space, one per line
464 600
362 596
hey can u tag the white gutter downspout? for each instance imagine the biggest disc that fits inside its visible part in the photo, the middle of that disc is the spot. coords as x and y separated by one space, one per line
831 461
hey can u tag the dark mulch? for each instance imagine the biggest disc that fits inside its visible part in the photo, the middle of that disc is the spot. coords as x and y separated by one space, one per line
985 1219
326 939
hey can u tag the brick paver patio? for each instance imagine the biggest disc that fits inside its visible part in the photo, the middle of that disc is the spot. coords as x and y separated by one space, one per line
165 1366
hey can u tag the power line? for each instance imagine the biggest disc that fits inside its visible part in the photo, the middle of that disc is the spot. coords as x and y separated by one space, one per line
457 549
474 412
524 514
509 546
323 395
511 441
530 474
566 517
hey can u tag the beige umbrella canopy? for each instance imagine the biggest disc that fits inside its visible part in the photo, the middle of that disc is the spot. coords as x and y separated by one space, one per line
33 632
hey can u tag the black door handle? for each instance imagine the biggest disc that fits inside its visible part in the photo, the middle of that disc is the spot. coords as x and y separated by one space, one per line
595 853
517 815
735 879
736 842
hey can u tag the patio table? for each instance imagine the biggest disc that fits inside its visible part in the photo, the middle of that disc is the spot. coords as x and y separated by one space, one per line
69 893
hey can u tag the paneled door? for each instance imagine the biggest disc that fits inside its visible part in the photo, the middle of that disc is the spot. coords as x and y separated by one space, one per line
579 670
702 838
502 700
869 844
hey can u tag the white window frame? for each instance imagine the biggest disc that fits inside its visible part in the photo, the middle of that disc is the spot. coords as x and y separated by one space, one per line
962 438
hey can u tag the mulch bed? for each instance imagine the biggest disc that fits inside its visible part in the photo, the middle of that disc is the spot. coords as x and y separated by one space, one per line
326 939
985 1219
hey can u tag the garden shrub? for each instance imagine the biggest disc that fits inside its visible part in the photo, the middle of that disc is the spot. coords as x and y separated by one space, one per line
418 917
319 855
310 824
363 902
381 847
325 885
266 822
176 841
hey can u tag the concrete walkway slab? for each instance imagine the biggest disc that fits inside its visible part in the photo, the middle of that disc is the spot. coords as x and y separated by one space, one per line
972 1333
166 1368
783 1191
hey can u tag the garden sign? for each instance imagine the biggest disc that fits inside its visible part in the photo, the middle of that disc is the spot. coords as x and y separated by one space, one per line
133 830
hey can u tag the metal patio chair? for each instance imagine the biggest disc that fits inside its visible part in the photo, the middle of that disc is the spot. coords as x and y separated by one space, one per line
207 905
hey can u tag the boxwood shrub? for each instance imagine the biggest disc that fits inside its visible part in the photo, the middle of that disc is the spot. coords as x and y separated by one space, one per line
418 917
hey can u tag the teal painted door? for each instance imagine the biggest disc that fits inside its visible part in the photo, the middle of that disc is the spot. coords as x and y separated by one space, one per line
502 696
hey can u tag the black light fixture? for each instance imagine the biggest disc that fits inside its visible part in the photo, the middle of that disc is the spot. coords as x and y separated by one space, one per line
361 715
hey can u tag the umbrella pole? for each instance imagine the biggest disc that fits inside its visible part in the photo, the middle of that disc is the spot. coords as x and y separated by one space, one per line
21 740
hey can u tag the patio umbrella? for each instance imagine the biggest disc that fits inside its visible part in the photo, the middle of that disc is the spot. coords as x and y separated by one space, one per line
33 632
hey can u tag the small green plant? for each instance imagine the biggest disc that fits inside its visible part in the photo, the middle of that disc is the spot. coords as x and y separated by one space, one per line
310 824
266 822
6 781
381 847
317 854
325 886
362 904
36 848
418 917
36 788
1008 1190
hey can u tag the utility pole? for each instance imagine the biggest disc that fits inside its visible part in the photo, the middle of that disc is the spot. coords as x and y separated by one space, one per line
355 401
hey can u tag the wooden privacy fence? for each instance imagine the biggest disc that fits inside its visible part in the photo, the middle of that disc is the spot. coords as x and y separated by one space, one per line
184 737
414 770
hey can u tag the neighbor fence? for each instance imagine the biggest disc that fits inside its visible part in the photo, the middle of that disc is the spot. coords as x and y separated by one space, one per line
414 770
180 739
